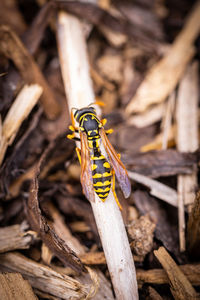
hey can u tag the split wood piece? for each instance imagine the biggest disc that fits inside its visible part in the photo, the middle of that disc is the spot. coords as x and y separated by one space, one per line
13 48
102 289
79 91
180 287
15 237
167 120
163 77
149 117
14 287
42 277
19 111
162 163
187 140
157 188
153 294
159 276
193 228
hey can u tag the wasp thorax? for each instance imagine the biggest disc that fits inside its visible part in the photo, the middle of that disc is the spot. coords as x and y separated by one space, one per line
91 125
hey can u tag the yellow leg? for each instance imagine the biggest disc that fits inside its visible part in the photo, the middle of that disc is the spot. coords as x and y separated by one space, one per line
109 131
71 136
99 102
72 128
78 151
103 122
114 193
73 120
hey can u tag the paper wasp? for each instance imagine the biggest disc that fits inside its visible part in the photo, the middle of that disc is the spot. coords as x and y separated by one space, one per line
99 161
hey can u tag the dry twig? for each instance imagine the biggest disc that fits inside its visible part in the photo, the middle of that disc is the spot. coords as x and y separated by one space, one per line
187 140
158 189
180 287
78 86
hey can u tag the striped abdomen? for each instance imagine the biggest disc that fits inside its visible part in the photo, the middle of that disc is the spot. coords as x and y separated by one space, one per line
101 173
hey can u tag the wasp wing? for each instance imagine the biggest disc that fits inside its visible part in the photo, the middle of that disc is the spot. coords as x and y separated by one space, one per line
86 171
117 165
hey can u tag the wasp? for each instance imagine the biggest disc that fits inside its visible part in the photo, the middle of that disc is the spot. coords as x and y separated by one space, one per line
99 161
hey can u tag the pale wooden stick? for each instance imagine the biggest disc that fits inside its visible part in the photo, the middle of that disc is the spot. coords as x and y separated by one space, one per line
187 140
78 86
20 109
163 77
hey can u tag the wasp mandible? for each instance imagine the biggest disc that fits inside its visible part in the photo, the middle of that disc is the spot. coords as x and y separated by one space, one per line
99 161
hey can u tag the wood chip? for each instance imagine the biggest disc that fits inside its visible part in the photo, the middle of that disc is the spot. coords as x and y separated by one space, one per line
193 228
159 276
141 233
19 111
158 189
153 294
157 86
43 277
161 163
15 237
14 287
149 117
111 67
167 120
180 287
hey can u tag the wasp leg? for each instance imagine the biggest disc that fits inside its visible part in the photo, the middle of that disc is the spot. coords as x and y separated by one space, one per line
73 121
72 128
103 122
99 102
73 137
109 131
78 151
114 193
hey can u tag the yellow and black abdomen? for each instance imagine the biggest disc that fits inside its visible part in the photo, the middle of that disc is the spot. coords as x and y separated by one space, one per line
101 174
